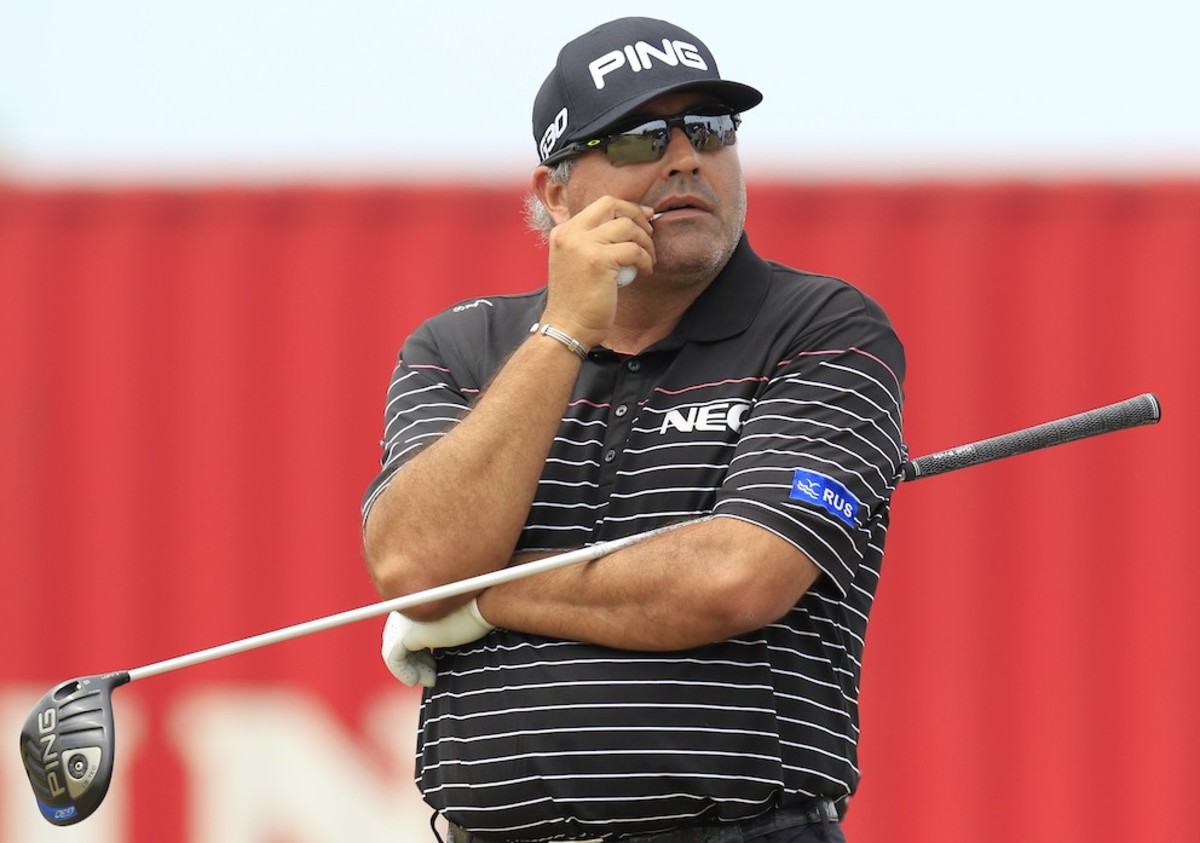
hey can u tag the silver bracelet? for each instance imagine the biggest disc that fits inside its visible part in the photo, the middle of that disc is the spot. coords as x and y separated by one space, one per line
552 332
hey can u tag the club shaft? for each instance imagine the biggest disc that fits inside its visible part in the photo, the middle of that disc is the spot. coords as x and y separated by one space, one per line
397 604
1143 409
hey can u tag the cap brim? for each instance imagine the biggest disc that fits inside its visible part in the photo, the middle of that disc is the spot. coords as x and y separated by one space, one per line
734 95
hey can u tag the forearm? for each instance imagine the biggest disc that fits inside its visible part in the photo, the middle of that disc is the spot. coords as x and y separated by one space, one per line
457 509
692 586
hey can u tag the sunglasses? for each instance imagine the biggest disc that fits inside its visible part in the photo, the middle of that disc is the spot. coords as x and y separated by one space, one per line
647 141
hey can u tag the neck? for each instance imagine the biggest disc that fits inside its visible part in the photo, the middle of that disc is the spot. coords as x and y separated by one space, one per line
647 311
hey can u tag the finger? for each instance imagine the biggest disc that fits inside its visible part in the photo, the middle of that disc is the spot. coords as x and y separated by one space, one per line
426 668
402 666
610 208
643 216
621 242
461 626
646 220
394 629
395 654
626 229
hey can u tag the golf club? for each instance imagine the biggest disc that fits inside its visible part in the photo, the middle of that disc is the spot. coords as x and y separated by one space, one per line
68 740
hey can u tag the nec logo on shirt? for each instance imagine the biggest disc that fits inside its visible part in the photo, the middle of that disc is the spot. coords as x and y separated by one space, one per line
825 492
707 418
641 56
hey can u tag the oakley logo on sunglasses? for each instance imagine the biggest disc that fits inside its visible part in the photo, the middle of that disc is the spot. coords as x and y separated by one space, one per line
642 55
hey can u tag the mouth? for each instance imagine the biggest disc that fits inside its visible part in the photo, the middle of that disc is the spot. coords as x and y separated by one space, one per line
679 207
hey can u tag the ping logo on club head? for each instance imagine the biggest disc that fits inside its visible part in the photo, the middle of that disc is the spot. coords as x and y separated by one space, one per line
825 492
48 761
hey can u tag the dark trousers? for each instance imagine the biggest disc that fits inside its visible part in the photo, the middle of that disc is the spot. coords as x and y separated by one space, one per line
795 825
807 834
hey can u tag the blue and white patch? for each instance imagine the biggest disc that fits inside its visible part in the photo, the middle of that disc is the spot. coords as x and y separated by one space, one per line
816 488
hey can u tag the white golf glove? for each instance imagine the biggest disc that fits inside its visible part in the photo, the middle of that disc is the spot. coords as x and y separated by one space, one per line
406 643
409 667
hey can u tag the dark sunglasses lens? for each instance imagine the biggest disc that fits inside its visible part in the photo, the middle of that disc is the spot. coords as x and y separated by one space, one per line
707 133
648 141
644 143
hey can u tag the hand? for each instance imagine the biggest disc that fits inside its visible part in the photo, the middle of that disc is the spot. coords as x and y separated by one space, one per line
410 668
406 643
462 626
587 252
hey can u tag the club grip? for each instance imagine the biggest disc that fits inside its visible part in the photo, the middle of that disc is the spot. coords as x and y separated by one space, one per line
1132 412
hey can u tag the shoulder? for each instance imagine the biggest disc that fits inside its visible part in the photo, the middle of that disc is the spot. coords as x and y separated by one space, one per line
483 322
810 308
822 314
816 290
499 311
773 290
473 337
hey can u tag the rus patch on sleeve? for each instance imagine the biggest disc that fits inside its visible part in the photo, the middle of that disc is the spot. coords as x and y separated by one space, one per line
825 492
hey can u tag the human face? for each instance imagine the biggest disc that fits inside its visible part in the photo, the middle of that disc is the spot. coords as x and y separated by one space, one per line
701 195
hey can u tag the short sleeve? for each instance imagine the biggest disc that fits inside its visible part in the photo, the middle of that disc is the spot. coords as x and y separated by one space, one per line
423 402
820 452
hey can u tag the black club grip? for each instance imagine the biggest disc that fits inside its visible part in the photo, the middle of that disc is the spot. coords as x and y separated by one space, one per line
1132 412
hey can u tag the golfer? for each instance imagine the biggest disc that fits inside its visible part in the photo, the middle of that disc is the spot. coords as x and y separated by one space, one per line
701 685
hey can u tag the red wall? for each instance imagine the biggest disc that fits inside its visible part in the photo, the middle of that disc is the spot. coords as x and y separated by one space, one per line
191 389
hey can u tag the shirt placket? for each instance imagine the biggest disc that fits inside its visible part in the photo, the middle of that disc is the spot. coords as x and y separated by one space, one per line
632 381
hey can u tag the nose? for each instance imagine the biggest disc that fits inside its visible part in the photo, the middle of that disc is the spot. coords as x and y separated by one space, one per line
681 156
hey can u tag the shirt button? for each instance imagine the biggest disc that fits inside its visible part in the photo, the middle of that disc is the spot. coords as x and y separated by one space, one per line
633 365
622 410
609 456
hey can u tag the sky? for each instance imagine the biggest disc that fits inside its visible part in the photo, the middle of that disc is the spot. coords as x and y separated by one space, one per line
268 91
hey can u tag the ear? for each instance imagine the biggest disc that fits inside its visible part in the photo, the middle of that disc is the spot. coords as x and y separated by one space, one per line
553 194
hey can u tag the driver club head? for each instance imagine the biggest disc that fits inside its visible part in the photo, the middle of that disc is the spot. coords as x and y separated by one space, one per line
67 746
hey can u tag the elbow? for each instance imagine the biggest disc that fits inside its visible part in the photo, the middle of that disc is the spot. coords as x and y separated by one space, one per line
747 599
752 578
394 576
404 560
389 573
400 571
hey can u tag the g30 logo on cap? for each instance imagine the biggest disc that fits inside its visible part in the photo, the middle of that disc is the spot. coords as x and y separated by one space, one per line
641 55
553 132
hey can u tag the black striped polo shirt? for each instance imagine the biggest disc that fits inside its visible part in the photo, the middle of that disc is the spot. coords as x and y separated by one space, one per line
776 400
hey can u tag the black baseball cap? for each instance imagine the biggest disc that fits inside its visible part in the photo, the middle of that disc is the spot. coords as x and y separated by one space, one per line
607 73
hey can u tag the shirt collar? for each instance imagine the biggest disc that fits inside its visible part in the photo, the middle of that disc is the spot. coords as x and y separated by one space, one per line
729 304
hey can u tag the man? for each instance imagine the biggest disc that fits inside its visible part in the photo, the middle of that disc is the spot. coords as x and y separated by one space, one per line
702 684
